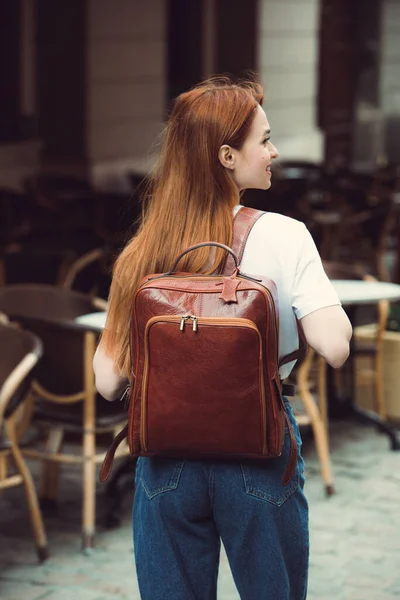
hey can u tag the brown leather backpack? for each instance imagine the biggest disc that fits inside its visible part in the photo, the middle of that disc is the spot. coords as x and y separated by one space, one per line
206 364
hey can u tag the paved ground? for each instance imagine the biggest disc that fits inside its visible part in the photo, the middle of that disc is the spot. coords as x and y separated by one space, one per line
355 535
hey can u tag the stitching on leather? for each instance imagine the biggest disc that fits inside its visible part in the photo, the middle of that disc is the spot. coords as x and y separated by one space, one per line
200 309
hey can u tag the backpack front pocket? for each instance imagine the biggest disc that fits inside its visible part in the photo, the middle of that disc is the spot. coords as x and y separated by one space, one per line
203 387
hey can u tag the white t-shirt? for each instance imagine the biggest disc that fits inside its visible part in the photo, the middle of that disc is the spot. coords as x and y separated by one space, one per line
282 249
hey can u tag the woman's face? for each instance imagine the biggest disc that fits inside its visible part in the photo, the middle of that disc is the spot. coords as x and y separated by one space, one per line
252 164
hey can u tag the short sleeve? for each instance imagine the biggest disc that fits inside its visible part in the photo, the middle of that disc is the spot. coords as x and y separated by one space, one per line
312 289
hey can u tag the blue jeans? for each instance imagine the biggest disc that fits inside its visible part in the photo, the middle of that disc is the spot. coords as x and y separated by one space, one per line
184 508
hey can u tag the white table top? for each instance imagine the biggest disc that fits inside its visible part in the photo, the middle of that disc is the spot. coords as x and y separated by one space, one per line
349 292
97 320
365 292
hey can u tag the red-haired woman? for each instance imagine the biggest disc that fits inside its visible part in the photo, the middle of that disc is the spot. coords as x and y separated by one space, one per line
217 144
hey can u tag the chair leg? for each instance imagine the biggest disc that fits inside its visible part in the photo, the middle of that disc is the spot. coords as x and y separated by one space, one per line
25 414
54 480
89 490
319 428
44 482
380 404
30 491
322 399
89 446
3 468
50 470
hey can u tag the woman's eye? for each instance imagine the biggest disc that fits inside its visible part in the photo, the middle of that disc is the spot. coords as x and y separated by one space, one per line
266 140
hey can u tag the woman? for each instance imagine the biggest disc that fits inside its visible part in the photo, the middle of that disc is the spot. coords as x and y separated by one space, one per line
217 144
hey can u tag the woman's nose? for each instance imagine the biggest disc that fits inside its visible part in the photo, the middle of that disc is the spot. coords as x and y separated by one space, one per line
274 152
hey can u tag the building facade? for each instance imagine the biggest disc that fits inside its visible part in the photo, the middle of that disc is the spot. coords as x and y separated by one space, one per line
89 82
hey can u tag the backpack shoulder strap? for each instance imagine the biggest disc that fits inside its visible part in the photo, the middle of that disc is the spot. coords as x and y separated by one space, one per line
243 223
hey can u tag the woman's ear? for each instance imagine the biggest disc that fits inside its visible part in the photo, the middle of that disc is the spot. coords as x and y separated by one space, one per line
226 157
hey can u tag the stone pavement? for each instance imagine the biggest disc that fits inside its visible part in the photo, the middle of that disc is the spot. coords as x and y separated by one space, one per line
355 534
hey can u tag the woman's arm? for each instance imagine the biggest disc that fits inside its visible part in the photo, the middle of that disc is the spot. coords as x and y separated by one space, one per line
108 382
328 331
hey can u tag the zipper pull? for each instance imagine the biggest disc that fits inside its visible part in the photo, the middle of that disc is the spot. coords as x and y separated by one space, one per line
194 319
183 319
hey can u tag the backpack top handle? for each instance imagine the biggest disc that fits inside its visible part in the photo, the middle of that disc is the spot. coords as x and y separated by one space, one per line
195 247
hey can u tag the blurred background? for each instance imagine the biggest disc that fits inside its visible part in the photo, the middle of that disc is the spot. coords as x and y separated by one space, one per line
86 85
85 88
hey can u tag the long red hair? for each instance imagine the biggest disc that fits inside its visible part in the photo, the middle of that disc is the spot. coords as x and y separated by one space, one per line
189 198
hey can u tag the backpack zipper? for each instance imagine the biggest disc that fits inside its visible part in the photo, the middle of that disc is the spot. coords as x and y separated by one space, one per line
265 291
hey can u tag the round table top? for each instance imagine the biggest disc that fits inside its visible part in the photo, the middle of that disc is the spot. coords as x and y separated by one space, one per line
349 292
97 320
365 292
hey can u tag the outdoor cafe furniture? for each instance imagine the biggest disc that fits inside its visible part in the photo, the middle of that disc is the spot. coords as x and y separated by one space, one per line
353 293
365 396
91 274
350 292
20 351
313 371
65 399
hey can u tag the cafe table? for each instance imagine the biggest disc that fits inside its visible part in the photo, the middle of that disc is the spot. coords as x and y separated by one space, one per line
352 293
